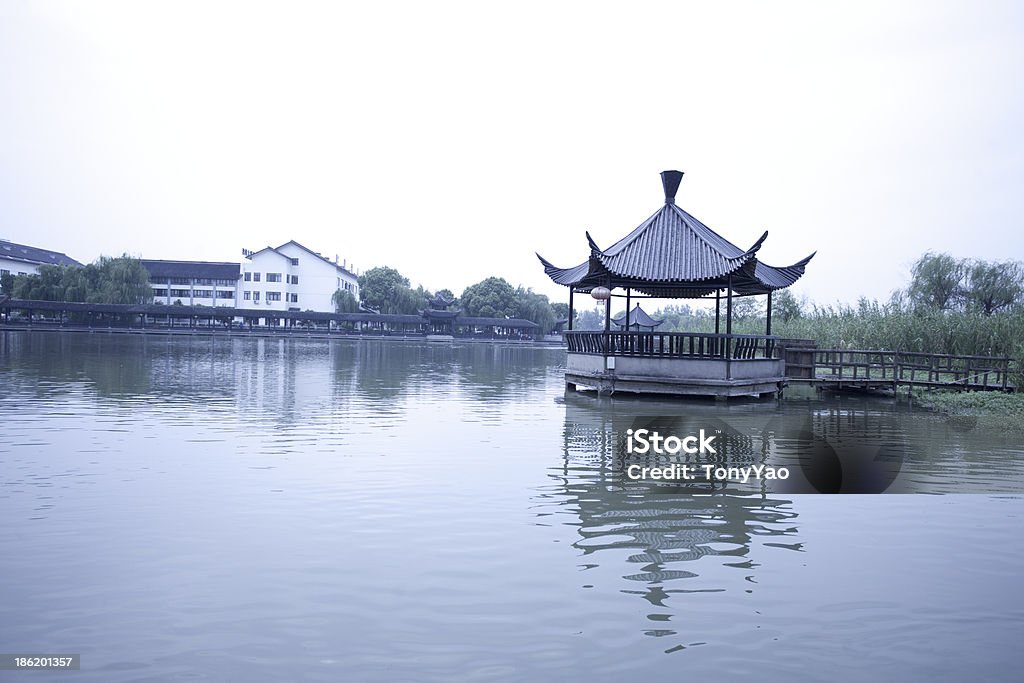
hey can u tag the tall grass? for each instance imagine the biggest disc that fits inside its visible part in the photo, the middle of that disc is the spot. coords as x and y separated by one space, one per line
871 325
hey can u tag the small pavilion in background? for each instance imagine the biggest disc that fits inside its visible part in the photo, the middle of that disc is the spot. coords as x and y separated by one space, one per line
440 320
636 320
672 255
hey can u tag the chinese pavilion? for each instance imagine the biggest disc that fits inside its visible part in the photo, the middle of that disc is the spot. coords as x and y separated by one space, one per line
673 255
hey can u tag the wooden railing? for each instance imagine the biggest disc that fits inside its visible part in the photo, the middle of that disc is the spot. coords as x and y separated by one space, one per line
672 345
912 368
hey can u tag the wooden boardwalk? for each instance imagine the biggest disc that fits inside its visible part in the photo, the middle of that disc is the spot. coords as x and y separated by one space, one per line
873 369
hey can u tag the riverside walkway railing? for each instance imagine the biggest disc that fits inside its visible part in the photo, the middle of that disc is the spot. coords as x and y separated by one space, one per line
672 345
911 368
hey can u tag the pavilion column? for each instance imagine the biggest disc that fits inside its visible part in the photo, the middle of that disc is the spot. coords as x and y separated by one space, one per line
718 309
728 331
571 312
768 323
628 321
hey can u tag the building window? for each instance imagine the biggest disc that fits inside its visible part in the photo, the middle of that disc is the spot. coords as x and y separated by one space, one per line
295 261
159 292
273 277
225 283
293 298
203 294
203 281
248 277
273 296
5 272
295 279
180 281
222 294
181 293
247 296
255 296
255 277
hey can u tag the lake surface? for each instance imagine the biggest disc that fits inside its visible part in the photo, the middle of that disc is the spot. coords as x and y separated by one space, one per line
286 509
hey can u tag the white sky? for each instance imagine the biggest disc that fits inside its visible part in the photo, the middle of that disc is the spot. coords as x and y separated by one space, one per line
452 140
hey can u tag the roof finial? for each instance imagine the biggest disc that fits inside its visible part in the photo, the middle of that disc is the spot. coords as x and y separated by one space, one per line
671 179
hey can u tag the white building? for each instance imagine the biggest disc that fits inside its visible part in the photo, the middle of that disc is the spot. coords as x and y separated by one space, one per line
292 278
193 283
19 259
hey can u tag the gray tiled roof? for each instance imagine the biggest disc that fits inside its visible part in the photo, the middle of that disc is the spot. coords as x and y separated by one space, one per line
674 246
23 252
210 270
672 254
637 316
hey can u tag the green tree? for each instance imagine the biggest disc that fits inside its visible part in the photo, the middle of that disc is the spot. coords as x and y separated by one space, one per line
746 307
46 285
7 284
785 306
490 298
994 287
121 280
344 301
412 301
590 319
936 281
386 290
535 308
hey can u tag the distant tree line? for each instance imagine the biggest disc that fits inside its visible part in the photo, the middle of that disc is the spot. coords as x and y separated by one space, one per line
942 282
385 290
108 280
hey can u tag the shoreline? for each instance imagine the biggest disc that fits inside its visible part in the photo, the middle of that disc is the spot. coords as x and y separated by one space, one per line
1002 412
267 333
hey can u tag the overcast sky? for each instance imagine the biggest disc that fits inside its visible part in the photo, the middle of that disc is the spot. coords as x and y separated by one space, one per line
453 140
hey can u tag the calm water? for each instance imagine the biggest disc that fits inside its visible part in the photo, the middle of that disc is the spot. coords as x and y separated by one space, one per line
241 509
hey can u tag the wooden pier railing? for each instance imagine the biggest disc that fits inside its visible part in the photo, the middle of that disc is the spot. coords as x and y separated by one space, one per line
907 368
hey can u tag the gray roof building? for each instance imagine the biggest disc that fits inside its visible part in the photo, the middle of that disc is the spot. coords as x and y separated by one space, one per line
34 255
198 270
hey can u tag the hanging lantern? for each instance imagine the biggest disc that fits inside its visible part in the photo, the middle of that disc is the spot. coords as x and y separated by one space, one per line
601 293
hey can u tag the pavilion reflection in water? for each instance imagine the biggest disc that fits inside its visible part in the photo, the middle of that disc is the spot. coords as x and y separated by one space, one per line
670 540
667 540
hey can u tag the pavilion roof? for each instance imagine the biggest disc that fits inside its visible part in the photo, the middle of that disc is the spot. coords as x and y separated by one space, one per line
674 255
439 301
637 316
